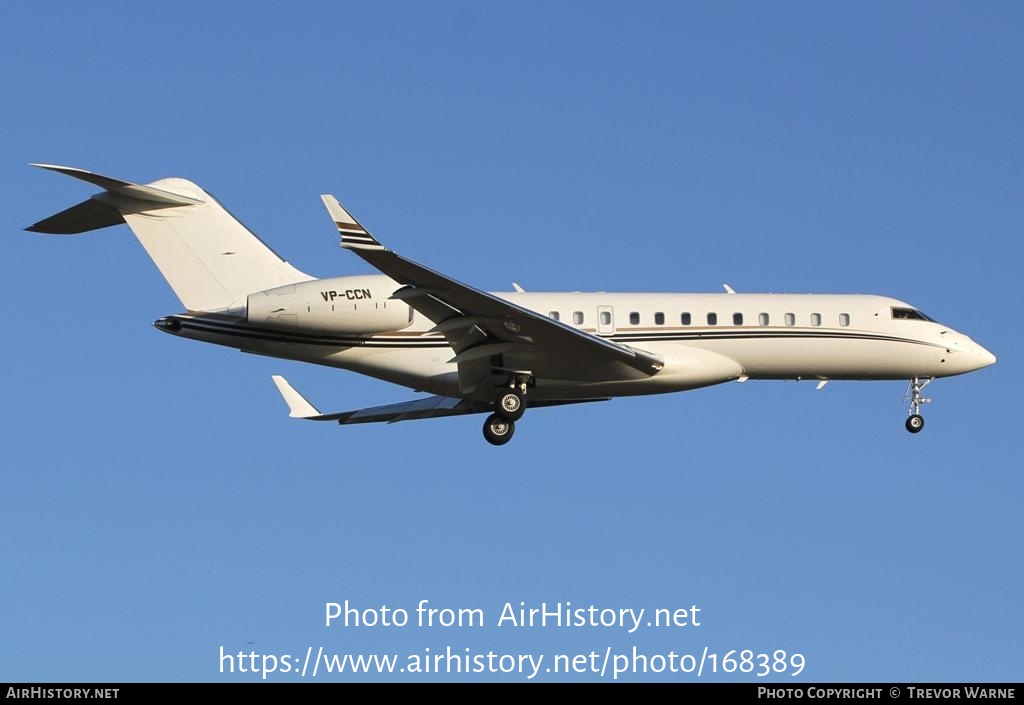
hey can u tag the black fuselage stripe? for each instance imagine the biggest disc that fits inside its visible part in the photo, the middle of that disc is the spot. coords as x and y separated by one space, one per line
305 339
433 341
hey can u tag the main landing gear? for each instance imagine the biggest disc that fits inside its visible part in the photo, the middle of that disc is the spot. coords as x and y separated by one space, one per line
498 431
509 407
915 422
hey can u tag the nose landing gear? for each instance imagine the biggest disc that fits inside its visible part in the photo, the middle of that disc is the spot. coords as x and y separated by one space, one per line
915 422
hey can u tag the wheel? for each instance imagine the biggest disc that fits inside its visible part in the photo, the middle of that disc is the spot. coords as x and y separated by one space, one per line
498 431
510 405
915 422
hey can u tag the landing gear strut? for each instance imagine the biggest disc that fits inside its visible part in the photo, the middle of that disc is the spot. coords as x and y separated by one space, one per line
915 422
509 407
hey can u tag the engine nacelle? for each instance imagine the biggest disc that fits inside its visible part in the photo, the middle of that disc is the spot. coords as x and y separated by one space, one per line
354 305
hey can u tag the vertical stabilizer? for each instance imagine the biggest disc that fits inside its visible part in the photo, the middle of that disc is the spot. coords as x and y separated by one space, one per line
210 259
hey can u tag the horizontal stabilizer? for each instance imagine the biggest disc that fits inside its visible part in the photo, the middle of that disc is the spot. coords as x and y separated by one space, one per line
87 215
99 211
123 188
211 261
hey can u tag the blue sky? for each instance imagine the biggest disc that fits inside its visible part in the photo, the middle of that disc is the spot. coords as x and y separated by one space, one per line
159 504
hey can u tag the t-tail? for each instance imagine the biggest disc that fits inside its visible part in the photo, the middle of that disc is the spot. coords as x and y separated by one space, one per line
210 259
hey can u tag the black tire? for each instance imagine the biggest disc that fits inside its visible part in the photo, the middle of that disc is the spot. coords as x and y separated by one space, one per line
915 422
498 431
510 405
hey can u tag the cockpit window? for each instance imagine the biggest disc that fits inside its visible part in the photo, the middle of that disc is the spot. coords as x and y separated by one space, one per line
909 314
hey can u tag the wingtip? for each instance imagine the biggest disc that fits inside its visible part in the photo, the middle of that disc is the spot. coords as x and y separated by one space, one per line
353 235
337 211
56 167
298 406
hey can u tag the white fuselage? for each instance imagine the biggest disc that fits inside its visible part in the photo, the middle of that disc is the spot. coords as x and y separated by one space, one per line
482 352
704 339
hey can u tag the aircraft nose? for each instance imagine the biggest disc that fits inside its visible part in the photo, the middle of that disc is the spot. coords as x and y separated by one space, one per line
987 358
967 355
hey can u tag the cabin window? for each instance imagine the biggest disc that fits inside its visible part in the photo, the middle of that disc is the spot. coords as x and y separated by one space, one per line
763 319
606 318
910 314
712 319
844 319
553 315
790 319
659 319
685 319
815 319
577 317
737 319
634 318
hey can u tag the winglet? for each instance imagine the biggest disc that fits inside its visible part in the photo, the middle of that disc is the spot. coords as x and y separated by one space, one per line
353 235
298 407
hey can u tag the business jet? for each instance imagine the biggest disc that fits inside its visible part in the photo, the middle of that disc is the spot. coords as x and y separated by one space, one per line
497 353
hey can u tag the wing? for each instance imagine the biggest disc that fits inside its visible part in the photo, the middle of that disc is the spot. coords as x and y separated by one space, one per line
426 408
492 336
